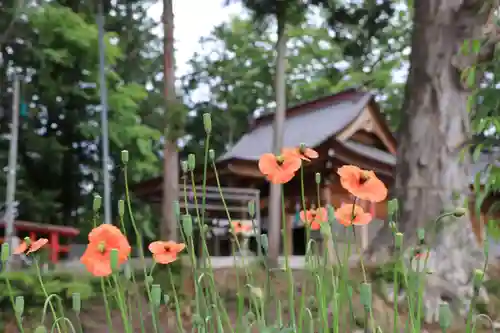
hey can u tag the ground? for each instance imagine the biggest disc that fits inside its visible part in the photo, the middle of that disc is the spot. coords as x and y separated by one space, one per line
95 321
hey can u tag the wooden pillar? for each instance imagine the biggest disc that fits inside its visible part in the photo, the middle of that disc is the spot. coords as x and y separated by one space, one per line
363 229
54 246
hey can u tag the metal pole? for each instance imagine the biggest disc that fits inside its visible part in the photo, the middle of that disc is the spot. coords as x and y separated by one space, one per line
104 115
11 176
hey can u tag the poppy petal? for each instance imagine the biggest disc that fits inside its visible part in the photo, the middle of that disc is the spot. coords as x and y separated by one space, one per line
156 247
38 244
362 219
21 248
268 164
165 258
311 153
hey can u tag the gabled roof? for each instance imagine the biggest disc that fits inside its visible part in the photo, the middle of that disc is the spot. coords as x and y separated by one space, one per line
310 123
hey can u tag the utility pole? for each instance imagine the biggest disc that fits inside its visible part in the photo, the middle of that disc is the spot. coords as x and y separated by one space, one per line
104 115
12 168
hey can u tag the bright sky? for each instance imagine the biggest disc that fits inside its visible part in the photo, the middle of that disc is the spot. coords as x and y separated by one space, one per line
194 19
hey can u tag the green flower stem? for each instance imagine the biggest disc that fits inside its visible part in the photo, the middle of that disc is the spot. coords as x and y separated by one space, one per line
176 300
203 249
122 305
239 296
106 305
396 293
139 304
291 287
11 297
140 245
44 290
95 218
188 239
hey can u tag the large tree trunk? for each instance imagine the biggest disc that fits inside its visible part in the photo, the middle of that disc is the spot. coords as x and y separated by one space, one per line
274 222
431 176
168 227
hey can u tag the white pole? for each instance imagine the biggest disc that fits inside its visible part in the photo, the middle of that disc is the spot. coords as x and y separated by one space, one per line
104 116
12 167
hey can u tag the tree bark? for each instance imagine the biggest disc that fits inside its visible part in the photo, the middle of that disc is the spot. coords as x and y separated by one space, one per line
274 221
168 228
431 177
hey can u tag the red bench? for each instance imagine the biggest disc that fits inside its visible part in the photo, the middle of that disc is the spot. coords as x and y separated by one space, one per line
49 231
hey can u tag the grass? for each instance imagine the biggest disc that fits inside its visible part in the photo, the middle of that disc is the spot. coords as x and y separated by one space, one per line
254 298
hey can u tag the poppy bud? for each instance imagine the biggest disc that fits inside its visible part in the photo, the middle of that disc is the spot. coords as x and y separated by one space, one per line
459 212
197 320
445 316
398 240
191 161
19 305
156 295
421 236
187 225
5 252
211 155
365 292
349 291
393 226
121 208
96 204
250 317
264 242
177 208
318 178
124 156
477 279
184 166
166 299
149 279
207 123
41 329
251 208
76 302
392 207
113 259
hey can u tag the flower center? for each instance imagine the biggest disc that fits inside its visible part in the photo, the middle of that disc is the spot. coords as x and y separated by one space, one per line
101 247
363 178
167 248
280 160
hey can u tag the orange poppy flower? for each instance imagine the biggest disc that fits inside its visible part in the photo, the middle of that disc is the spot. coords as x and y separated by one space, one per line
279 169
28 247
237 227
314 217
302 152
352 214
165 252
363 184
102 240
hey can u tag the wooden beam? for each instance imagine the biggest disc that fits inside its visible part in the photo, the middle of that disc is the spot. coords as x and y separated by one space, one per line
245 170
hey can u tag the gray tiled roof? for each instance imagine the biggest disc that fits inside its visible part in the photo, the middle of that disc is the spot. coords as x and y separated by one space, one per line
311 128
371 152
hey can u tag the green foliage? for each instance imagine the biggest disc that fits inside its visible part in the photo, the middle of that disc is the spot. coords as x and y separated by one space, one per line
26 284
55 50
237 68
